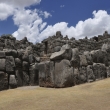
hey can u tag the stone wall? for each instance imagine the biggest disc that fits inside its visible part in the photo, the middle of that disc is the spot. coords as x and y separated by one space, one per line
55 62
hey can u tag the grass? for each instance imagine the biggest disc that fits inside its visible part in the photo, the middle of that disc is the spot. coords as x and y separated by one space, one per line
89 96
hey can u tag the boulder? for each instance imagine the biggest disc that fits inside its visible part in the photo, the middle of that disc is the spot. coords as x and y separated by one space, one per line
90 74
19 77
18 62
99 70
88 57
34 75
76 76
37 59
31 59
83 74
75 60
64 76
83 60
12 82
25 78
2 64
64 53
10 64
2 54
25 66
46 73
20 53
3 81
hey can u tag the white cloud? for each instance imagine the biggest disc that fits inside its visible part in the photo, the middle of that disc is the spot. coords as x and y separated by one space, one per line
46 14
5 11
20 3
62 6
90 27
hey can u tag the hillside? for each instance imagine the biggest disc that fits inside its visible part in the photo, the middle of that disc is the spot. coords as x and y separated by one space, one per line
89 96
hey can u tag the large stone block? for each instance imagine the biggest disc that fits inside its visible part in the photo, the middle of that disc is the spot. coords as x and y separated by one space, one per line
25 66
25 78
3 81
2 64
18 62
19 77
90 74
75 60
31 59
83 74
99 70
46 74
2 54
83 60
88 57
10 64
12 82
34 74
64 76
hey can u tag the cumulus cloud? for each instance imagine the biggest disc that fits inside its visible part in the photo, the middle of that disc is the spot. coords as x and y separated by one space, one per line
90 27
20 3
5 11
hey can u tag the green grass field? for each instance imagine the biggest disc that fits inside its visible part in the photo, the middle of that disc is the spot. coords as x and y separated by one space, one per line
89 96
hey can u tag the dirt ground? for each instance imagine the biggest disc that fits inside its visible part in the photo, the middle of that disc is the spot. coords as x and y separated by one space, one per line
89 96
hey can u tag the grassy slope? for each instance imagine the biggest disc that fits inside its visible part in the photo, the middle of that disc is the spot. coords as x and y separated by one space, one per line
91 96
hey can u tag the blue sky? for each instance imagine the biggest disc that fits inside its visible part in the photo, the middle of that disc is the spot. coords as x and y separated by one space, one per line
38 19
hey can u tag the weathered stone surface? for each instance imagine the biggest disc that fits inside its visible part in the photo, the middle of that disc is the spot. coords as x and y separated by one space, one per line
3 81
19 77
2 64
63 54
25 78
25 66
57 48
10 64
12 82
83 74
46 74
99 70
37 59
88 57
18 62
76 76
34 75
31 59
2 54
108 71
90 74
75 60
20 53
64 76
98 56
83 60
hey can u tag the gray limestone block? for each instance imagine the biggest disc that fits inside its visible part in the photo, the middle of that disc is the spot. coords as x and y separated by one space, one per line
3 80
34 75
10 64
46 74
31 59
75 60
25 66
18 62
88 57
12 82
64 76
57 48
83 74
83 60
19 76
90 74
99 70
2 54
25 78
2 64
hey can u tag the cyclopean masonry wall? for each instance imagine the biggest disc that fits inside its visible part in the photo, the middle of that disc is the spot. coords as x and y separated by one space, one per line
55 62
